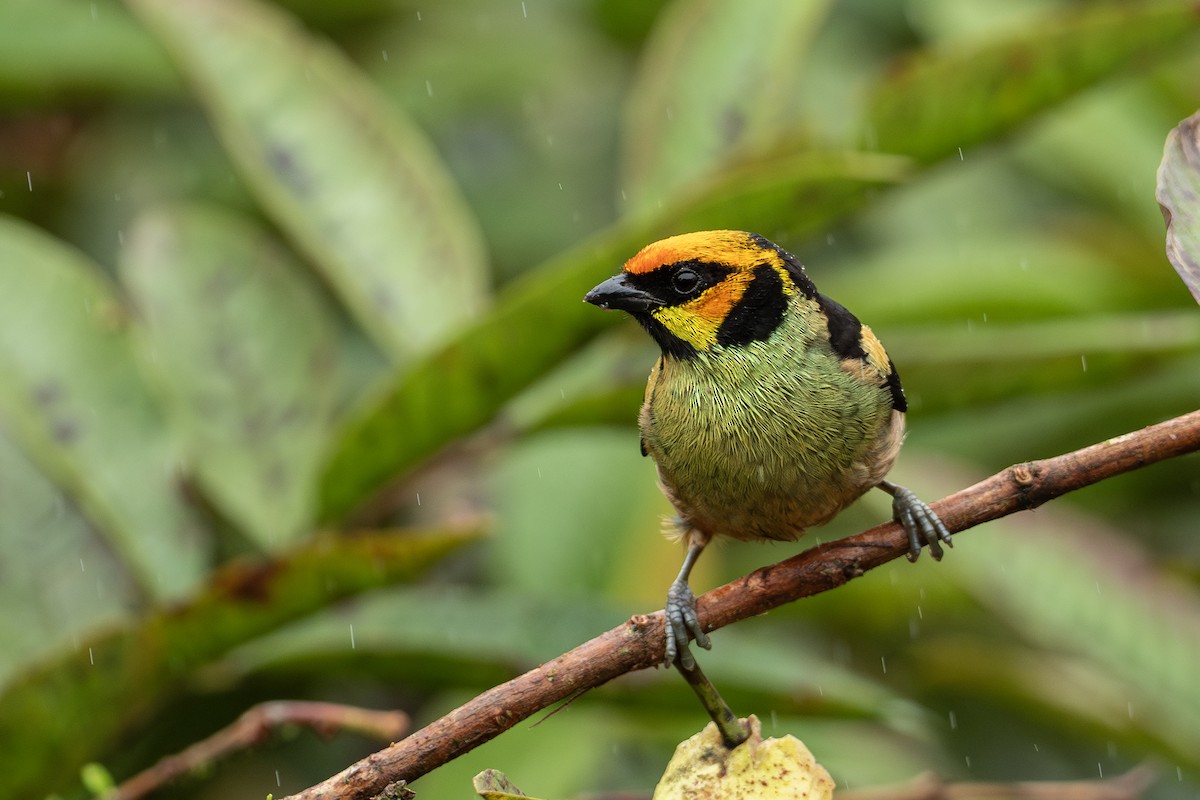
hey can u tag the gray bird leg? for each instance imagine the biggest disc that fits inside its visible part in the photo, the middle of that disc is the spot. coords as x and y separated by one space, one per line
682 623
918 520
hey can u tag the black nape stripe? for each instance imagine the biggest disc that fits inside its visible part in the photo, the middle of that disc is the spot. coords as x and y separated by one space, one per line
759 311
791 263
899 402
845 336
845 331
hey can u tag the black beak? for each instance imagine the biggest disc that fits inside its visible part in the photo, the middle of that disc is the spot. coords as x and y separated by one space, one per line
617 293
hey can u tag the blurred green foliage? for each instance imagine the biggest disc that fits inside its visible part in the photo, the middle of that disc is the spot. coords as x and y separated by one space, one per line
269 268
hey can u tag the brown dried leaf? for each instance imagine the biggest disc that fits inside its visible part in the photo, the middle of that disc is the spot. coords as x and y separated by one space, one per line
1179 197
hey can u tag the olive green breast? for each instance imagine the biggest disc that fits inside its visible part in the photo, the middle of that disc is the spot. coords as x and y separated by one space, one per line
766 439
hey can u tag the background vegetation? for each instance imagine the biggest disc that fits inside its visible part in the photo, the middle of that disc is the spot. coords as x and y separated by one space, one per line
260 261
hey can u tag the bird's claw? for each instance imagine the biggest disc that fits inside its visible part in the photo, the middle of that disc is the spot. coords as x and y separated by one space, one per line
683 626
921 523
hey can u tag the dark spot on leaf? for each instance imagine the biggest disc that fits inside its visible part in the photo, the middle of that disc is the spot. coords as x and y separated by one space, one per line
383 299
47 394
220 285
322 361
255 424
292 415
48 397
247 582
733 124
275 477
284 164
64 431
225 354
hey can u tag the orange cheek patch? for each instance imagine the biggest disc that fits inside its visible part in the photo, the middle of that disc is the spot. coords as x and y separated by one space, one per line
716 303
697 321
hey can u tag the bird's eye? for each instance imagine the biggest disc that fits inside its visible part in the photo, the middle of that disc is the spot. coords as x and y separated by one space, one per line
685 281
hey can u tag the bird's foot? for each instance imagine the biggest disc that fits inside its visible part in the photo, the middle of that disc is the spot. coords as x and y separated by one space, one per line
683 625
919 521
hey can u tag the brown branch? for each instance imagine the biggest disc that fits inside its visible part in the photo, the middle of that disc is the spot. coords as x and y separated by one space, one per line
638 643
252 728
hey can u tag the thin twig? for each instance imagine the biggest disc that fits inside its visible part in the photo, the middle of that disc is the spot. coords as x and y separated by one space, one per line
638 643
252 728
733 732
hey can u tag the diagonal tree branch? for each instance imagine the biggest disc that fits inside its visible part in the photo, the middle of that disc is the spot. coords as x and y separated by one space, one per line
254 727
638 643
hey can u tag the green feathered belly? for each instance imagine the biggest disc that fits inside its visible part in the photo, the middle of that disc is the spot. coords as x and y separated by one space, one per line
753 452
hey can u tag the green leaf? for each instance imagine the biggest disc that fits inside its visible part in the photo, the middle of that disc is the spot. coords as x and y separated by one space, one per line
535 324
81 704
940 102
74 398
349 179
1074 587
567 481
60 580
453 623
245 352
791 196
714 83
97 779
1178 193
48 47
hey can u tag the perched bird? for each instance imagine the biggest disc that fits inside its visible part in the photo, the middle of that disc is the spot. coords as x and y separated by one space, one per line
771 408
